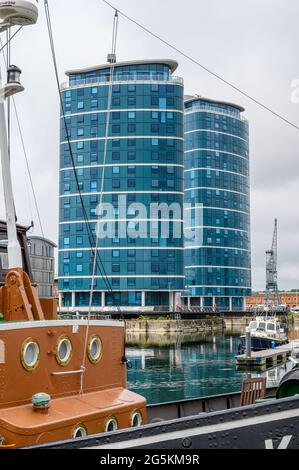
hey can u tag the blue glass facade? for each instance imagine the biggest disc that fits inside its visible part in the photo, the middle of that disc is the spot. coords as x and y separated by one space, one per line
144 164
218 269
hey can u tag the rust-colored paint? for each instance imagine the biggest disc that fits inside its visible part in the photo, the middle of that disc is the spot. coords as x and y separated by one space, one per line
104 385
19 299
103 393
49 307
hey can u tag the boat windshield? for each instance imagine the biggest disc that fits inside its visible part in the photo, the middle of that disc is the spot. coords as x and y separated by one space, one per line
253 325
261 325
271 326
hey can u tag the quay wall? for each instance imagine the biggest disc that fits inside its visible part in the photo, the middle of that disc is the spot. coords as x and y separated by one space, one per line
174 326
202 325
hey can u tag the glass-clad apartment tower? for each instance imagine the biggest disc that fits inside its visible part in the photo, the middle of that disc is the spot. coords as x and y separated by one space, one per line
144 166
218 268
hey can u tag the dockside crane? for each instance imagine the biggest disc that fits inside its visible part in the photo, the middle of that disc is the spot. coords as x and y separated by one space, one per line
272 298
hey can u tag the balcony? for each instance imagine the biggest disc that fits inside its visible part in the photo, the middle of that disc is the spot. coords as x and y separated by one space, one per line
215 110
131 78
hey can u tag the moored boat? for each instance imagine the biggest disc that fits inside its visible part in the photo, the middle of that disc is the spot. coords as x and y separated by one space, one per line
266 333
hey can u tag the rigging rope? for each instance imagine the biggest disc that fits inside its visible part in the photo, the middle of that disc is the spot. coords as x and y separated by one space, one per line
10 39
89 230
191 59
93 243
114 42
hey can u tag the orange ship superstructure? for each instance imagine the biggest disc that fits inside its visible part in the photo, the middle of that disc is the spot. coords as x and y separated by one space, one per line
44 393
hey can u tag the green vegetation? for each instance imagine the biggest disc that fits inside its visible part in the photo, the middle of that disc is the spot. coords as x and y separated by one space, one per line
147 318
1 317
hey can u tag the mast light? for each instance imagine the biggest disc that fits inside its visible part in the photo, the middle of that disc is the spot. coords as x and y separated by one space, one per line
13 84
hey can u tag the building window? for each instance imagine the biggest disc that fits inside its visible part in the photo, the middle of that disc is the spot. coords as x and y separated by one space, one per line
116 170
155 267
115 183
116 116
115 156
93 131
115 253
79 268
131 155
115 268
131 115
93 186
131 101
131 267
162 103
131 183
131 87
80 105
115 101
116 128
132 128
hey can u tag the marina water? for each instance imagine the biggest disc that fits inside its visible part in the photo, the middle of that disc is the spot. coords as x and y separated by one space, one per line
174 368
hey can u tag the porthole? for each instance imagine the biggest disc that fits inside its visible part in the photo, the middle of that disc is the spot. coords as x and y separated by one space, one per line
94 349
30 354
79 431
64 351
111 425
136 419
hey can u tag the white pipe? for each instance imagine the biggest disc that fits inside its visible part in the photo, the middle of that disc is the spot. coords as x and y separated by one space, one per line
13 248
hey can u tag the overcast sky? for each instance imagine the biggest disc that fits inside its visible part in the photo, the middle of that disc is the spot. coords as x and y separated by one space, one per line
252 43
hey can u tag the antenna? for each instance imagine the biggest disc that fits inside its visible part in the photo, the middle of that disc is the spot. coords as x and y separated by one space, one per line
272 295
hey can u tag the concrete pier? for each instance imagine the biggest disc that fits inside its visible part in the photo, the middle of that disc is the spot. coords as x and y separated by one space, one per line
266 358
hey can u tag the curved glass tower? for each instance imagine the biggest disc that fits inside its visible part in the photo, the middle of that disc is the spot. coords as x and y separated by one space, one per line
218 266
144 168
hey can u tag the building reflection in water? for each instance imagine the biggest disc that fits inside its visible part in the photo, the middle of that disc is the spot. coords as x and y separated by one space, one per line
168 369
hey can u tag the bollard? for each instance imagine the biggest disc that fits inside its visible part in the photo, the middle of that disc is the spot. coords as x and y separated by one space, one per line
248 342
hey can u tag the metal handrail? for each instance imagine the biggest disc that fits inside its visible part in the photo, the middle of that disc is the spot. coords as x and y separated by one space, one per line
122 79
215 109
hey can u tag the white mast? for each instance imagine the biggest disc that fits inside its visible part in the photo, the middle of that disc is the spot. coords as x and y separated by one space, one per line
12 13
